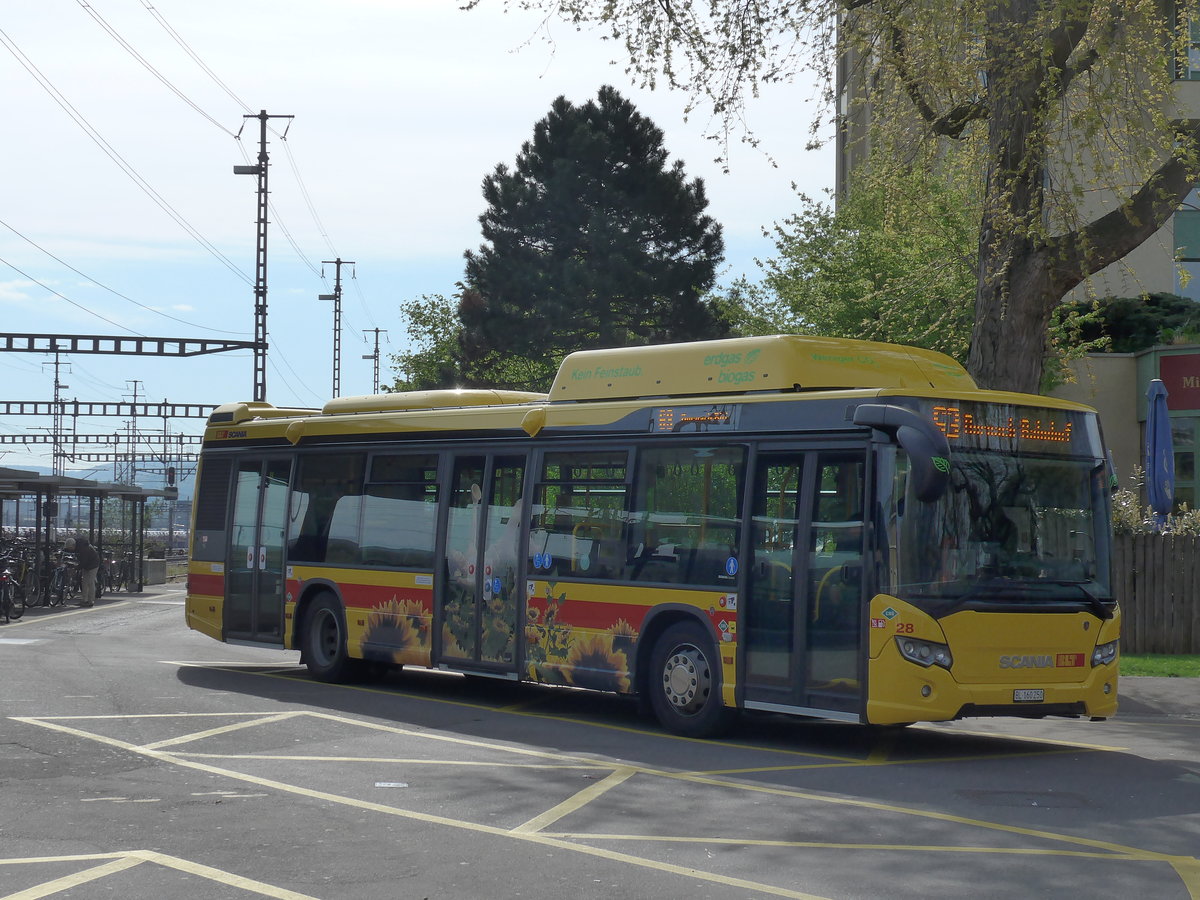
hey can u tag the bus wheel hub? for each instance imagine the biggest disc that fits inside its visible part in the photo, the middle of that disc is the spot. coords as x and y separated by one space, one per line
685 679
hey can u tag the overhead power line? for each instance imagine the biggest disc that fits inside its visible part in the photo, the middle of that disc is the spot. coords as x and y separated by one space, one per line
116 157
150 309
79 306
90 10
175 36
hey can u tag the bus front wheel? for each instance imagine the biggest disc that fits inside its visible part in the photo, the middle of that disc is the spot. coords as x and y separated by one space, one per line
325 651
685 682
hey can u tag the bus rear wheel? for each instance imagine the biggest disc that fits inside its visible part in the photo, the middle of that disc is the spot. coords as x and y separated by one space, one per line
325 651
685 683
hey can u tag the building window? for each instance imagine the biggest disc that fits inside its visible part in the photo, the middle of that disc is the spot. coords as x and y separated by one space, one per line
1187 63
1187 247
1186 443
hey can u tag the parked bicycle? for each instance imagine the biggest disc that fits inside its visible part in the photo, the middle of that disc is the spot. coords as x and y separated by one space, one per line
12 599
124 577
20 558
64 580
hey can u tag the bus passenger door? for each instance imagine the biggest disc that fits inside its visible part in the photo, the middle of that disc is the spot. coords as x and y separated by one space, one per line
255 583
801 616
479 597
769 622
834 602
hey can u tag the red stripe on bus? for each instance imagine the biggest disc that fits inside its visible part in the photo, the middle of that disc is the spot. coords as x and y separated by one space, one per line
209 585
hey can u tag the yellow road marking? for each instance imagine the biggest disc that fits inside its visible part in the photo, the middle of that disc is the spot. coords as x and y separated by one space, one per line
1187 868
624 729
119 862
181 715
219 876
223 729
580 800
611 855
870 761
1079 745
396 760
692 777
75 879
515 710
229 665
920 813
449 739
1135 856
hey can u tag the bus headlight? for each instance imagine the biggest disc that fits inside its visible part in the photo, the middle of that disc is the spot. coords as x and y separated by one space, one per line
1104 654
924 653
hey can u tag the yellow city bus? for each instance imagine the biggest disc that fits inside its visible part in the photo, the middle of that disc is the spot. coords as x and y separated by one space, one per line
822 527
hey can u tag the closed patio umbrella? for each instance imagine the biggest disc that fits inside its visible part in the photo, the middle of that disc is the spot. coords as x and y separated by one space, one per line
1160 455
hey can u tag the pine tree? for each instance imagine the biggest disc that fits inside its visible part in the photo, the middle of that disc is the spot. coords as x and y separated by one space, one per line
593 239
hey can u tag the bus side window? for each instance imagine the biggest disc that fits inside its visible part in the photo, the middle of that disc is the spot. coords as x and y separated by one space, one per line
579 516
400 512
836 548
687 515
331 490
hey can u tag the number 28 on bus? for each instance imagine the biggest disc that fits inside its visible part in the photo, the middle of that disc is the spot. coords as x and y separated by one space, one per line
798 525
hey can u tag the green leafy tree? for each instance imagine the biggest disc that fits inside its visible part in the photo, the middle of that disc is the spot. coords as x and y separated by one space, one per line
1063 112
433 329
592 239
435 360
892 263
1130 324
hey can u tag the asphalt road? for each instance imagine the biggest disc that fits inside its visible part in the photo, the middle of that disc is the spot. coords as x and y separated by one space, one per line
141 760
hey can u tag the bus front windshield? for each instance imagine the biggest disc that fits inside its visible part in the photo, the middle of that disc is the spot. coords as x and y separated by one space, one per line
1010 528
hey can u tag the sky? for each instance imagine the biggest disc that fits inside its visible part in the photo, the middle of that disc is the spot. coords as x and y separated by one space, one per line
120 213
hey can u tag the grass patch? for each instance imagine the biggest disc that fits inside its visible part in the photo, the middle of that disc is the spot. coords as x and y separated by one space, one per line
1161 665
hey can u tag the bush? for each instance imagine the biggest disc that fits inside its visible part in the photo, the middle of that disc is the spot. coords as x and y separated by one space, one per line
1131 517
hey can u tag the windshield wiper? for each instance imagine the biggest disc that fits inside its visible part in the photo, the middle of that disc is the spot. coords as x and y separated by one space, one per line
1097 605
997 588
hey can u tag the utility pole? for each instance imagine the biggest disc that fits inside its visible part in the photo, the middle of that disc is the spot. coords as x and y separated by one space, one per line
131 433
375 356
260 255
336 297
58 463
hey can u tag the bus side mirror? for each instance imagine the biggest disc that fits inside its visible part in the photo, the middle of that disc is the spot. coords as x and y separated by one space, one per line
927 448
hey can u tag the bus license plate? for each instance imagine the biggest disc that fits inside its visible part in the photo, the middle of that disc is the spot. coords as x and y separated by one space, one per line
1029 695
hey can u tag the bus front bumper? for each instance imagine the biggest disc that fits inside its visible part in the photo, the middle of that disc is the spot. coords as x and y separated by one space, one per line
903 692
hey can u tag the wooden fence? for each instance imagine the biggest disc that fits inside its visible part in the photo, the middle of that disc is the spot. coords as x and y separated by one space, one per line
1156 579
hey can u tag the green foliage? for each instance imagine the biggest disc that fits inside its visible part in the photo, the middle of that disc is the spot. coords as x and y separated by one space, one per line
1130 324
750 309
592 239
1160 665
1129 516
892 263
1070 335
433 329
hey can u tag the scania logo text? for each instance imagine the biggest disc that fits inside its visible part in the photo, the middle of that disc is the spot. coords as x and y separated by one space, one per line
1027 662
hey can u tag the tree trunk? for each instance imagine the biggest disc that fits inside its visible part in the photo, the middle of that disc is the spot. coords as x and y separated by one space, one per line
1015 293
1012 309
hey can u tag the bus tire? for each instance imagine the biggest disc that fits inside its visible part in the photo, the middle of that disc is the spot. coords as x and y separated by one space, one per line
324 650
685 682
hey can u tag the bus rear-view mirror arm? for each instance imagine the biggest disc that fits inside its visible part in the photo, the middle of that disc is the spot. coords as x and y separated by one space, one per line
926 445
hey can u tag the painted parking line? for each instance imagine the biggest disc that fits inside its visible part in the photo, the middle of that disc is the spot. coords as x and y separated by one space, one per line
534 830
298 672
121 862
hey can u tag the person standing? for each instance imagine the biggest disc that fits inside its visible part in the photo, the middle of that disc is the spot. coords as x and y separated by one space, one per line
88 561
